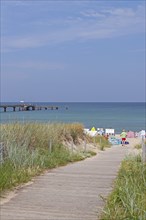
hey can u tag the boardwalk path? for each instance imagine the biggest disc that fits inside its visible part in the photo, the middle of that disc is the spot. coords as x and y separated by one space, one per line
71 192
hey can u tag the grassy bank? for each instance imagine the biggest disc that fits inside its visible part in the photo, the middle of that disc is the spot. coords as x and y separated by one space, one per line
31 148
128 199
102 142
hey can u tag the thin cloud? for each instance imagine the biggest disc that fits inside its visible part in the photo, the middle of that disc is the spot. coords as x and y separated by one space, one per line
138 50
93 14
35 66
88 25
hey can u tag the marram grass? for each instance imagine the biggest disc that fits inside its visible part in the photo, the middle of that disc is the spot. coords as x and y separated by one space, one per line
128 199
18 169
37 135
27 153
101 142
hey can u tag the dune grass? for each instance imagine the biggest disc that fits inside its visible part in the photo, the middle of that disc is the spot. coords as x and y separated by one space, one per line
27 150
99 141
22 165
128 199
37 135
138 146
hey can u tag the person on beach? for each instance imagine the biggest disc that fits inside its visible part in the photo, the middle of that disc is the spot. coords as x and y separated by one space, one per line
123 136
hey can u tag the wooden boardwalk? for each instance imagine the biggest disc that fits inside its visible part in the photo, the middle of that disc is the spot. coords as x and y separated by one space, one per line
72 192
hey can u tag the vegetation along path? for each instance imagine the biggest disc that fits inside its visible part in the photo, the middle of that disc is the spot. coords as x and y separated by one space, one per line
72 192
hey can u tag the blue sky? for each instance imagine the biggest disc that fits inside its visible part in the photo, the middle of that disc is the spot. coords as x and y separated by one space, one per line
73 51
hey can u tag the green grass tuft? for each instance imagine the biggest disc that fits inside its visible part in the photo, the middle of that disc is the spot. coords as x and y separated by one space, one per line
27 150
128 199
101 142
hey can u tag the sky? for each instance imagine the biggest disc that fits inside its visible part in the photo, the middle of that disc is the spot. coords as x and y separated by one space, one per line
73 51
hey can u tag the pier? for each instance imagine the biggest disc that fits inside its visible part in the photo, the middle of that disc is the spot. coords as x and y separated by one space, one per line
27 107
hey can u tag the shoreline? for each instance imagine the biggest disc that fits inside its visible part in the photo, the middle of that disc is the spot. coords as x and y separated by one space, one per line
32 121
107 115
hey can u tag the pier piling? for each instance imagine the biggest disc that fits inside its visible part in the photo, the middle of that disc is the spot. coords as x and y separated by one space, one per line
27 107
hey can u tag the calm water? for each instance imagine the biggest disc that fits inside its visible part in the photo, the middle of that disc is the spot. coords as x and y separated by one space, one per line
131 116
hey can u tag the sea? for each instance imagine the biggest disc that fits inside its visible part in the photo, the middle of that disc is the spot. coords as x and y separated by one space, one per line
117 115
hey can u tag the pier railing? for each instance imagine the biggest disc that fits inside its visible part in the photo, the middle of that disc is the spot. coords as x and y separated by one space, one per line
27 107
